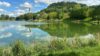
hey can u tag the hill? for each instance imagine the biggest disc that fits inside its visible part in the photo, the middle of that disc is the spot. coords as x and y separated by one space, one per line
64 11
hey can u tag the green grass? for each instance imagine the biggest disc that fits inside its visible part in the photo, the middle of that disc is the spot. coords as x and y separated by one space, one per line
56 47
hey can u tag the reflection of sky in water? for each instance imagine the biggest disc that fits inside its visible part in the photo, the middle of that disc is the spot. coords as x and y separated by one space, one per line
12 31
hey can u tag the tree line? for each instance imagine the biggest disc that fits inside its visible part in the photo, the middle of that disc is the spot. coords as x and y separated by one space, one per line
62 11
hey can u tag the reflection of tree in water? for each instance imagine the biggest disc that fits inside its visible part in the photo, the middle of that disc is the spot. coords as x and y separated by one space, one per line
68 29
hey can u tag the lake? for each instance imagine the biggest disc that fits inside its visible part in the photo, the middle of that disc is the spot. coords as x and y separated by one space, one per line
10 31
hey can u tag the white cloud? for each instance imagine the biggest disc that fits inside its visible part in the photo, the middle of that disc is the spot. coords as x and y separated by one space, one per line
19 12
15 13
6 4
11 14
2 10
88 2
26 5
47 1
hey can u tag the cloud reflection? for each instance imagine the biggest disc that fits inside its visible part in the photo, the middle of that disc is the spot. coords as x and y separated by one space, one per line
5 35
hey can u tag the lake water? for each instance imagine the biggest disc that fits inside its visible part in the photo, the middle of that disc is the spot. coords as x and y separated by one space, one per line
10 31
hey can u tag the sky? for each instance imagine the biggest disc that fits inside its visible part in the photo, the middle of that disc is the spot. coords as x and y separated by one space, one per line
19 7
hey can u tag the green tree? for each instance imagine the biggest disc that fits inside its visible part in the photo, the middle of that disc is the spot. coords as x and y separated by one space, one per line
53 15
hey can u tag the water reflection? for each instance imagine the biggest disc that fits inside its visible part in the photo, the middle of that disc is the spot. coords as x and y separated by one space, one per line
30 31
68 29
10 32
5 35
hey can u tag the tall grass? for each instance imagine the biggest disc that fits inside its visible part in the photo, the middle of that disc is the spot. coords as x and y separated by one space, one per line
56 47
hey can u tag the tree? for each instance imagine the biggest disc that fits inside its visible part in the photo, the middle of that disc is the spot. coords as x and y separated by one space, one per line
96 13
53 15
43 15
63 15
28 16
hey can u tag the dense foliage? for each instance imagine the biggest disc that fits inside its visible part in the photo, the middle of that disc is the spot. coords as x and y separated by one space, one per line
67 11
6 17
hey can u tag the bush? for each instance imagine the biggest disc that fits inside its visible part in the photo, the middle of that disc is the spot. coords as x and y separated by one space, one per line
18 49
57 47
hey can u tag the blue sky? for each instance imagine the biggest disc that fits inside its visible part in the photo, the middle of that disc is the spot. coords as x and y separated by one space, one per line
19 7
12 7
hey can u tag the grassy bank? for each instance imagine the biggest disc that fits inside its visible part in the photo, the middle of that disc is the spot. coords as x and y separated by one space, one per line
54 47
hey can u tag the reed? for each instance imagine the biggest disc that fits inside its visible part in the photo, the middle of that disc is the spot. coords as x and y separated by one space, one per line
55 47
